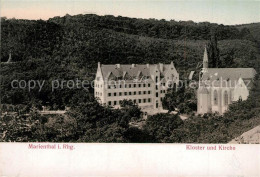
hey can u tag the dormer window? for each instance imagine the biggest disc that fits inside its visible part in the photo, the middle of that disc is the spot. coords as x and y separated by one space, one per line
126 76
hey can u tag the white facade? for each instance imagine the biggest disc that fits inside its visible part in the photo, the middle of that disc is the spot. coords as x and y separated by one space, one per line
145 85
219 87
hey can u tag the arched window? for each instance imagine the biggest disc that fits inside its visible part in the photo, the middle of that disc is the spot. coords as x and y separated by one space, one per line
225 98
215 97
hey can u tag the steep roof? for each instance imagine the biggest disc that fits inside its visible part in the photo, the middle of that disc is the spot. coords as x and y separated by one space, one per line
134 70
230 75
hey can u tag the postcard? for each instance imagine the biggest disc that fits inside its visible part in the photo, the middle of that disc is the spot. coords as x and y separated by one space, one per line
130 88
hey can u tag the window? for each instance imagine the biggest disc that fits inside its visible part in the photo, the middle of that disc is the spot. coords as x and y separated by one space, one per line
144 85
139 100
125 93
120 93
134 93
140 93
134 85
109 94
157 94
109 87
109 103
149 100
115 94
144 100
120 86
149 92
139 85
125 85
144 92
149 85
130 93
134 101
130 85
114 102
225 98
215 97
161 91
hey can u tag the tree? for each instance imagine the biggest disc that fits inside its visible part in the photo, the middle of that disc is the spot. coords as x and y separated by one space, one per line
97 123
131 110
181 98
213 51
161 126
228 59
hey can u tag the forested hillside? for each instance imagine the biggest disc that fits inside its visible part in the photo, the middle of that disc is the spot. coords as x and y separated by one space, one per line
69 47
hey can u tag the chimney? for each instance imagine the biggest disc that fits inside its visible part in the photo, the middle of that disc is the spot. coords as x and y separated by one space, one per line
117 65
147 65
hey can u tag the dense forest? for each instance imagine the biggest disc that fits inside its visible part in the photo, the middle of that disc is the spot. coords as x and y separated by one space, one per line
69 47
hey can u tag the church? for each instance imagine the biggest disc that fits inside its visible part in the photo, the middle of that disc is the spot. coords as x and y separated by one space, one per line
219 87
144 84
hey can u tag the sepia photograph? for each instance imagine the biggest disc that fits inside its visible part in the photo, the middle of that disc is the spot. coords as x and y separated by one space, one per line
130 72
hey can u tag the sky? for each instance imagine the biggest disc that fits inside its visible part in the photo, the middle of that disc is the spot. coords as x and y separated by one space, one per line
228 12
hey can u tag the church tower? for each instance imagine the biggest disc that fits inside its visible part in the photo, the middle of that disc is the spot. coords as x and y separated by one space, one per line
203 93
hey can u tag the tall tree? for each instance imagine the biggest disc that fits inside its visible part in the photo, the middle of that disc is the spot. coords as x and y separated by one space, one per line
213 51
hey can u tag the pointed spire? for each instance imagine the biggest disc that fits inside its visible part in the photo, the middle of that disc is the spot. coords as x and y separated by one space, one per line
205 58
